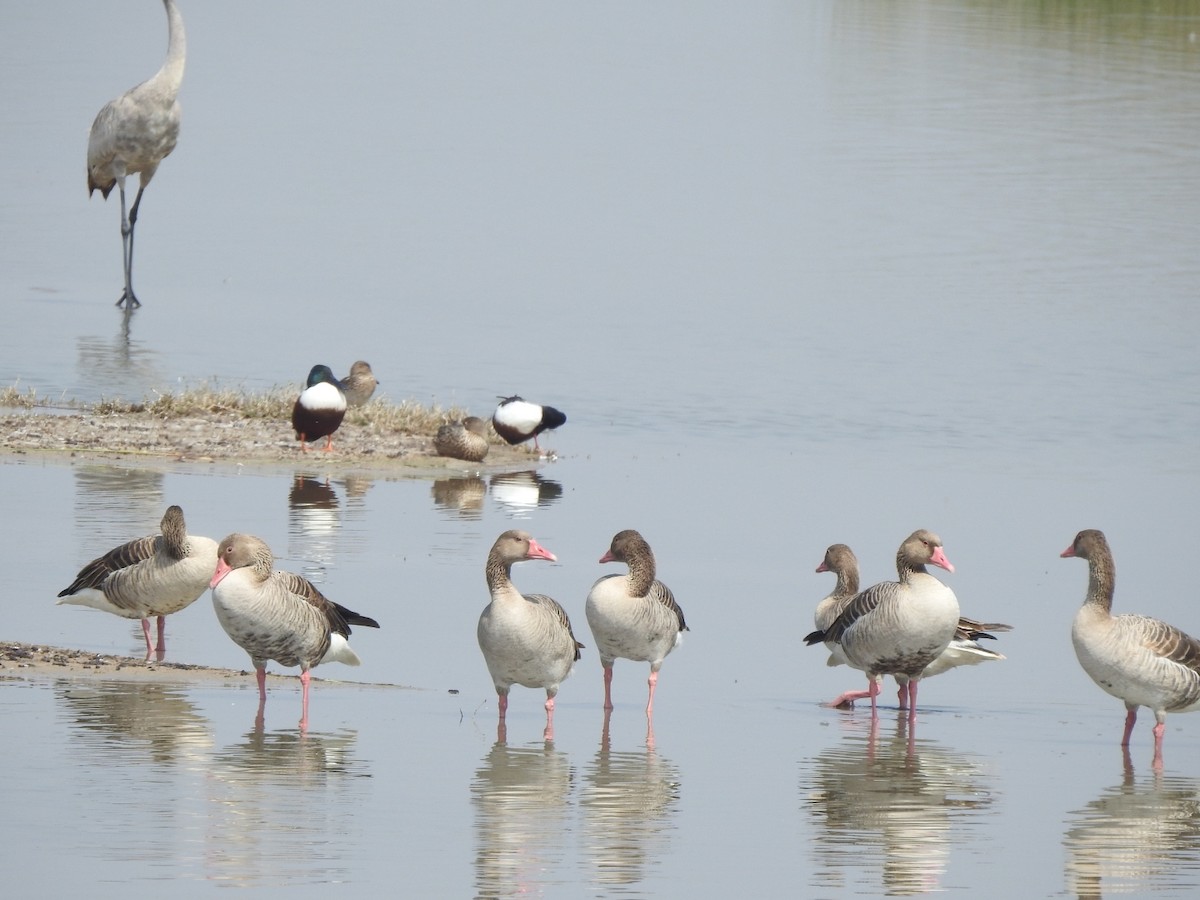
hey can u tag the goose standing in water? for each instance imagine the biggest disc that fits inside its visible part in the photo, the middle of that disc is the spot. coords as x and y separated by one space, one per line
360 384
320 408
899 627
1137 659
517 420
463 440
964 649
526 639
278 615
134 133
151 576
633 616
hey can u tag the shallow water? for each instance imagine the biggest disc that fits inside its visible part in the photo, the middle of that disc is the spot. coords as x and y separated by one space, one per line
797 274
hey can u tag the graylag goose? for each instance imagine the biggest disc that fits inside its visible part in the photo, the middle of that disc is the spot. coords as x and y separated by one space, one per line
898 627
633 616
152 576
526 639
1139 660
964 650
278 615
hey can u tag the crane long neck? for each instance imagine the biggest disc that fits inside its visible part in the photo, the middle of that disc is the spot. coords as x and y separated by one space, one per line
171 72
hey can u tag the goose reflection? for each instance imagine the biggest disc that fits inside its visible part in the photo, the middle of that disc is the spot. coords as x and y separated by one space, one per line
282 808
314 520
522 492
629 800
891 803
151 718
1140 835
521 797
460 496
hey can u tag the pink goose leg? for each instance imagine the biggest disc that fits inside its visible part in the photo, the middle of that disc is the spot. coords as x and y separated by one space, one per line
1130 720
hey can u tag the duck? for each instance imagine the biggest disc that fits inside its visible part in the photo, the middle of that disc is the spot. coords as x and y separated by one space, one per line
963 650
634 615
1138 659
360 384
465 440
153 576
278 615
899 627
320 408
517 420
526 639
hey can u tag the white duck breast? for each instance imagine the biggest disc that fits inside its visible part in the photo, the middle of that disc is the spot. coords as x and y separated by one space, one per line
517 420
1141 660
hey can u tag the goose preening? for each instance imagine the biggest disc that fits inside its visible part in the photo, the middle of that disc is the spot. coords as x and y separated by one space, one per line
1139 660
360 384
278 615
134 133
526 639
320 408
963 650
151 576
517 420
898 627
633 616
465 440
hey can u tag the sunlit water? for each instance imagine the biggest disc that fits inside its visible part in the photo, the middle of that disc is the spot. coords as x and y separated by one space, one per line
798 274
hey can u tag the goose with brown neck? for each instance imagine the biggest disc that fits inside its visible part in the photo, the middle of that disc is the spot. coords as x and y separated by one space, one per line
278 615
1139 660
152 576
633 616
963 650
526 639
898 627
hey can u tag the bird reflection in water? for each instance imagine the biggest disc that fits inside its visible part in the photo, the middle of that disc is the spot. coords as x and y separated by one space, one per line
314 520
890 803
282 808
521 797
520 493
126 367
629 801
1138 836
463 497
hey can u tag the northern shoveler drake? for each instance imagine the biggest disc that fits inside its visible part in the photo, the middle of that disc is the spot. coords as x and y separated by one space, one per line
517 420
319 409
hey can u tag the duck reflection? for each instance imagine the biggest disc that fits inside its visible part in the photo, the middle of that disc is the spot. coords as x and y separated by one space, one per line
314 520
1140 835
460 496
891 802
152 718
629 800
522 492
521 798
282 808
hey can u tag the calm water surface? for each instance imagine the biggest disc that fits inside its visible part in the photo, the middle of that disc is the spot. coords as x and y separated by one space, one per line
798 273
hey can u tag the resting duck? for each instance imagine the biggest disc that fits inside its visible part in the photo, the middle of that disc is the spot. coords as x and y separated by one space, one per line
151 576
319 409
526 639
964 650
899 627
463 440
517 420
360 384
1137 659
633 616
278 615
